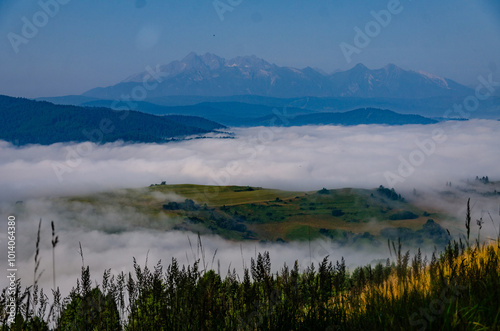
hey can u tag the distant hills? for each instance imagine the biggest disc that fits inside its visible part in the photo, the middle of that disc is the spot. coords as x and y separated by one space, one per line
37 122
227 113
26 121
240 114
210 75
360 116
436 107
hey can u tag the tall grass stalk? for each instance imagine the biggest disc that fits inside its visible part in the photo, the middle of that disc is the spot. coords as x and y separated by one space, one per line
55 240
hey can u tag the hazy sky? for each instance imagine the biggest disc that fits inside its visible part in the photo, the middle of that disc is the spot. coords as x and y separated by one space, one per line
84 44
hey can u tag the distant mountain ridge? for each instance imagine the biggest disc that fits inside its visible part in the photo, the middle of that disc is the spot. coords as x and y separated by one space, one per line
244 115
211 75
360 116
435 107
26 121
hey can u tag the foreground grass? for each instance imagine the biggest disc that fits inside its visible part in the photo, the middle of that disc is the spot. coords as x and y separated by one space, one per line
457 289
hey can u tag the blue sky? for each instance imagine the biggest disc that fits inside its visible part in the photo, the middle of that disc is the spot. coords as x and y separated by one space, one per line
98 43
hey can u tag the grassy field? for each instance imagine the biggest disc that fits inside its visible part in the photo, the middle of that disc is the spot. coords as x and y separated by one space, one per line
218 196
254 213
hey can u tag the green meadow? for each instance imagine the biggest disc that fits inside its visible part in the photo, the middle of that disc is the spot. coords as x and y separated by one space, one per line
347 216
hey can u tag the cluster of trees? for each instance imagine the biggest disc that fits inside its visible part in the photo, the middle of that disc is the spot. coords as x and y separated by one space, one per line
229 222
323 191
430 230
214 219
344 237
403 215
484 179
188 205
390 193
162 183
337 212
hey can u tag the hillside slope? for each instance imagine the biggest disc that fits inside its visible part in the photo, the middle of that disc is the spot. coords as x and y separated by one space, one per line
350 217
38 122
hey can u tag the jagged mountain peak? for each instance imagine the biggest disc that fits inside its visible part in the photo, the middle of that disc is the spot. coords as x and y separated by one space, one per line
360 66
211 75
248 61
190 57
214 61
392 67
211 60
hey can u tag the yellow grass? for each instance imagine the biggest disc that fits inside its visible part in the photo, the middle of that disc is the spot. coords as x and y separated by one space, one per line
393 288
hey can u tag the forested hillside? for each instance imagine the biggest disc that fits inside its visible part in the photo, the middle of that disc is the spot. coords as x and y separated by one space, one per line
38 122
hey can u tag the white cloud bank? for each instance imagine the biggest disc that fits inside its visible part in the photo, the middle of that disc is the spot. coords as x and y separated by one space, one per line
299 158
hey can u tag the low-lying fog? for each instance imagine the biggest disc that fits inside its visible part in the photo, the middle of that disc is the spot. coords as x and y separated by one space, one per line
296 158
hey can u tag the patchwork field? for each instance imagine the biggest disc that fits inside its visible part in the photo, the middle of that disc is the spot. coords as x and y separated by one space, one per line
347 216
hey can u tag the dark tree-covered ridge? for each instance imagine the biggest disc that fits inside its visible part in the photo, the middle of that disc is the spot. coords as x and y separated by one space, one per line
26 121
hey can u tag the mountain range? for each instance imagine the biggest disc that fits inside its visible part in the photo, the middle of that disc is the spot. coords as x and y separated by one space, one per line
198 80
211 75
